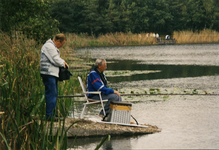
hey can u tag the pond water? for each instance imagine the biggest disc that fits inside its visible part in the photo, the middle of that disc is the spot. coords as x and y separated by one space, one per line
165 71
187 122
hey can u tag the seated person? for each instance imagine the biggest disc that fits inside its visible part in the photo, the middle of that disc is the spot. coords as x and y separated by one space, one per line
167 37
96 81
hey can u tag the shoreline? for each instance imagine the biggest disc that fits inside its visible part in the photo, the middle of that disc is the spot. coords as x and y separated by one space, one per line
140 39
110 46
89 128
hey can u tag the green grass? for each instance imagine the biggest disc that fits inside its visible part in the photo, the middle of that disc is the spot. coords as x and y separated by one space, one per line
23 101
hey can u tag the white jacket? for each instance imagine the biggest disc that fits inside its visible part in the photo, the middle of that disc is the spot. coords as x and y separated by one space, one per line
50 59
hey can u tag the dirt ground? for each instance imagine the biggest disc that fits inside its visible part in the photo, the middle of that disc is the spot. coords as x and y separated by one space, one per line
82 128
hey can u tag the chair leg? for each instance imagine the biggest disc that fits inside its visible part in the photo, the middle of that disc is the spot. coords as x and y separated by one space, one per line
82 114
103 109
102 105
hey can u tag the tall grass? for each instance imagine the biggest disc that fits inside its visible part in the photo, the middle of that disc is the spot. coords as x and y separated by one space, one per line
110 39
22 98
204 36
128 39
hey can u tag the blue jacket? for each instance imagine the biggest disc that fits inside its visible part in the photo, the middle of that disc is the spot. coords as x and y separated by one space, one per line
95 83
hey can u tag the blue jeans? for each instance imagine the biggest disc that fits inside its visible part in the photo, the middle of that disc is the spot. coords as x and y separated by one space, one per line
110 97
51 93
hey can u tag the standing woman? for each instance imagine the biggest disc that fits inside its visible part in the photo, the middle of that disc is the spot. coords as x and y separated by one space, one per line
50 61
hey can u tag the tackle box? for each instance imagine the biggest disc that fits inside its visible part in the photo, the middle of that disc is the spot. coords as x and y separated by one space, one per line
119 112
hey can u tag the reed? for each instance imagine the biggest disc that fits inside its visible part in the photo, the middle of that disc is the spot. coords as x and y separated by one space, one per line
22 98
110 39
189 37
128 39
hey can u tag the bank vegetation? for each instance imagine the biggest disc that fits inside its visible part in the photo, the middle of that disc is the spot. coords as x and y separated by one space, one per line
129 39
25 25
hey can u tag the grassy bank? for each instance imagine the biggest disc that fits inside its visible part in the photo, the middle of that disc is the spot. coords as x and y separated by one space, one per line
110 39
189 37
128 39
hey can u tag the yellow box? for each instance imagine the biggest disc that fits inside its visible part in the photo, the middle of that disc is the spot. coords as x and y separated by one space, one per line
120 105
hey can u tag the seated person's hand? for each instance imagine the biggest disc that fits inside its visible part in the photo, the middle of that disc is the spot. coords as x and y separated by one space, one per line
116 92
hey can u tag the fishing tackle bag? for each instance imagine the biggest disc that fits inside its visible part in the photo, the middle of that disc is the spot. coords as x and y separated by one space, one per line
64 74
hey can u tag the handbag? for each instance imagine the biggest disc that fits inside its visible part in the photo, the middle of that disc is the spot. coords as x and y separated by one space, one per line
64 74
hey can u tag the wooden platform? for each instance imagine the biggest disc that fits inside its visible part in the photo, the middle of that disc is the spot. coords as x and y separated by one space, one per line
163 41
123 124
87 128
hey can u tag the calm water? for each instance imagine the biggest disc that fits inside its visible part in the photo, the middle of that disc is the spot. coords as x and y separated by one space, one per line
167 71
187 122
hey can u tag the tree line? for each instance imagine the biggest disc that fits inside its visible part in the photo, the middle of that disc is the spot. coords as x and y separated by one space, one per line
40 17
28 17
104 16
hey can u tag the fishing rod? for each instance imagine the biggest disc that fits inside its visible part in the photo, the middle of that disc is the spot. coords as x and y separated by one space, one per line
65 96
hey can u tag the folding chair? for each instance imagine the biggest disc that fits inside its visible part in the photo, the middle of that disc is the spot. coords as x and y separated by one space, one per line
91 101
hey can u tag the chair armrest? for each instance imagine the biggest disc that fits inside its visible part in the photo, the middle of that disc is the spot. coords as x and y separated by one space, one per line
91 92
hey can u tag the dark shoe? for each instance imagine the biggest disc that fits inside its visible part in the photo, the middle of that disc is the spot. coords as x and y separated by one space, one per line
101 116
104 118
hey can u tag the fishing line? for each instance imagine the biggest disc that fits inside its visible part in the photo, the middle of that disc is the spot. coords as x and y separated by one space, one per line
63 96
135 120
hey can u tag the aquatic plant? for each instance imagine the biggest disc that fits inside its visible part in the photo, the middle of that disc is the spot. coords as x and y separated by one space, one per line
102 142
204 36
109 73
154 91
22 98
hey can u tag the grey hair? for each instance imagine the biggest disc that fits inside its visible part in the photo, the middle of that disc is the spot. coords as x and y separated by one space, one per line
100 62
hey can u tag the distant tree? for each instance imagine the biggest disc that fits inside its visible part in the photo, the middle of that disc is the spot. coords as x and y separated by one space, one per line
69 14
139 16
163 16
112 17
159 15
29 17
93 20
124 24
104 10
211 14
175 9
193 15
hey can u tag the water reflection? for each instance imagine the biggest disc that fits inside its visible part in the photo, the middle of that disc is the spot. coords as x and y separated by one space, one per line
115 142
167 71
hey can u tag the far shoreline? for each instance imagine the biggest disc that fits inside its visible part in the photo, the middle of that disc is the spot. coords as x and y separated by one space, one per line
83 40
